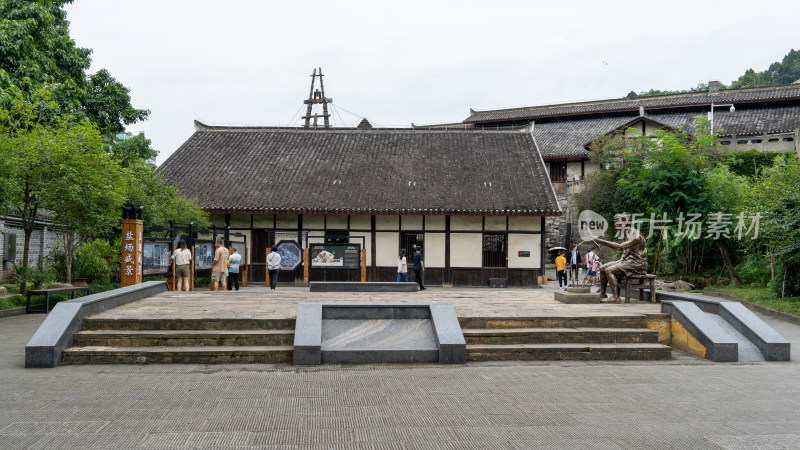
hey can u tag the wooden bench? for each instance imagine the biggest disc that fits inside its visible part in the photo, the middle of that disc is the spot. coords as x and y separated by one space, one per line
48 292
640 282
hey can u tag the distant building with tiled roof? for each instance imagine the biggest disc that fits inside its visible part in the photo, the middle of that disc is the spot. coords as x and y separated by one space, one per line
474 199
767 119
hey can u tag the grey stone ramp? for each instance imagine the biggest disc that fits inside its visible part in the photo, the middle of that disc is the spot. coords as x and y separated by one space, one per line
747 350
378 334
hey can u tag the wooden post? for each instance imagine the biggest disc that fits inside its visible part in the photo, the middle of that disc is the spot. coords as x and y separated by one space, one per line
267 271
191 272
305 267
171 279
131 252
363 265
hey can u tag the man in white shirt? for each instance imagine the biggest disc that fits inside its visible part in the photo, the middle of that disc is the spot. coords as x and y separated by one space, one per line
274 267
233 269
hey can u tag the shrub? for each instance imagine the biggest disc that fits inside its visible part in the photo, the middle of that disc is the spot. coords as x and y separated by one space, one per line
754 269
787 270
89 264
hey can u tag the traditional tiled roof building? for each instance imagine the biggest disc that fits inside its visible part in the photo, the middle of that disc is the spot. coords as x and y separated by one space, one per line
474 200
766 119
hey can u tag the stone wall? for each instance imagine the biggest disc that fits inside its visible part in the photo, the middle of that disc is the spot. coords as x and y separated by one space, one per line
42 240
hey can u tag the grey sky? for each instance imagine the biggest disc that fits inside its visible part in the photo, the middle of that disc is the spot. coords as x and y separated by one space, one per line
248 62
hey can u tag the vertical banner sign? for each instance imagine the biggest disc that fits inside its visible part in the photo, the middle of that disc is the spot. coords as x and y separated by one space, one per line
131 251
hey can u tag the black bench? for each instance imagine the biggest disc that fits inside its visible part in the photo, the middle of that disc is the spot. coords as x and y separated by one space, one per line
640 282
47 292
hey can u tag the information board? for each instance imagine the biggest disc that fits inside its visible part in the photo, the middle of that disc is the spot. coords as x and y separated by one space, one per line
335 256
291 254
156 257
203 255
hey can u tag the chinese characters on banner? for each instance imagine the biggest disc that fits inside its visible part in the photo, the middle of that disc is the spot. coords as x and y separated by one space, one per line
131 251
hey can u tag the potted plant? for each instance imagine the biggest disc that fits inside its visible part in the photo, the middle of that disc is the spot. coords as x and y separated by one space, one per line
38 277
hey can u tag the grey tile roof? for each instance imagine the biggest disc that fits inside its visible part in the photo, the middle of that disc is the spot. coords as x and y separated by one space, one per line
376 171
567 139
775 93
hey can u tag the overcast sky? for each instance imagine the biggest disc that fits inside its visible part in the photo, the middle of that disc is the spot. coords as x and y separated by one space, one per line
249 62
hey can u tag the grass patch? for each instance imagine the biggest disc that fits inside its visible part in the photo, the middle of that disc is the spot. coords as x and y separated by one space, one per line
21 300
761 296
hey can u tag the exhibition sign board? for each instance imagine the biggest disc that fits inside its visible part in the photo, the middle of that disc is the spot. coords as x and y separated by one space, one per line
203 255
335 256
291 254
156 257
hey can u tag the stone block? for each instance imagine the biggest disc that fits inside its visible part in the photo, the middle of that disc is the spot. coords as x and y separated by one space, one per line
576 295
356 286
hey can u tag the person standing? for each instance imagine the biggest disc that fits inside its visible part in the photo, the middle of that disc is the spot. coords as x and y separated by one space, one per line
419 267
233 268
274 267
561 263
575 264
591 273
182 257
402 267
219 266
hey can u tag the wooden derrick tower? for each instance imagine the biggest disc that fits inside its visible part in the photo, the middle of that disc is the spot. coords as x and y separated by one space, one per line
317 97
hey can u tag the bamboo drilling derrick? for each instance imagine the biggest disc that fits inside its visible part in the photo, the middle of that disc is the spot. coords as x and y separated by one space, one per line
316 97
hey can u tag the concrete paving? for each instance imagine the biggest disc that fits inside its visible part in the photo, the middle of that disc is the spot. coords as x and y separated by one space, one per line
686 402
259 302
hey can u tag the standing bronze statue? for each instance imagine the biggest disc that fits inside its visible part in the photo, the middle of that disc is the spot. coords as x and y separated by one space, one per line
632 262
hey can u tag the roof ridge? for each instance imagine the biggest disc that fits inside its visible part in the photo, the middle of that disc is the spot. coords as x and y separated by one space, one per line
203 127
635 99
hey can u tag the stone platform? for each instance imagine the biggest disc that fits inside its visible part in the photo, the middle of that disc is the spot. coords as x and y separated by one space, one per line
356 286
577 295
507 324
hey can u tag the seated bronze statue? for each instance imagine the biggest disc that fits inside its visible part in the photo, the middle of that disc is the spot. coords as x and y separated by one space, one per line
632 262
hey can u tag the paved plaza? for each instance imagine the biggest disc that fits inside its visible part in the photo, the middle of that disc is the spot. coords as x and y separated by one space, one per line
685 402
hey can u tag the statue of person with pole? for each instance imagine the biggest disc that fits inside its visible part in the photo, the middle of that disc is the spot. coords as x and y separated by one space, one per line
632 262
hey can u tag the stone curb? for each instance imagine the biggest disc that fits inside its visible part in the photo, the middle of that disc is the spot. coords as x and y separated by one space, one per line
756 307
12 312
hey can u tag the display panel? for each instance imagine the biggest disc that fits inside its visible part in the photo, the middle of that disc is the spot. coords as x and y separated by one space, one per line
335 256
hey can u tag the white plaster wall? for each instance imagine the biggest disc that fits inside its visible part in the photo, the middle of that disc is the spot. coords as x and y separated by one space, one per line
524 223
387 222
367 244
286 221
336 222
411 223
217 219
526 242
386 248
316 240
360 222
590 167
240 220
466 223
466 250
434 249
313 222
495 223
263 220
573 171
435 222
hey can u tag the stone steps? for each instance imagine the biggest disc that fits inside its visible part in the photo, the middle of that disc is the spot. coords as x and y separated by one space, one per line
594 321
177 355
575 352
596 337
97 323
182 341
507 336
182 338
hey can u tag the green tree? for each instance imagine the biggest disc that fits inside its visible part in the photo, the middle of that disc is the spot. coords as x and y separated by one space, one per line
86 192
36 52
777 198
786 71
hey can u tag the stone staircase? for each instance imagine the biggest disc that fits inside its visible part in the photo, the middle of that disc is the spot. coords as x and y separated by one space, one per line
562 338
190 341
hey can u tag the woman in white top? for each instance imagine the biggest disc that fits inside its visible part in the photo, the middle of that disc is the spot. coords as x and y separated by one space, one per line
182 257
402 267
